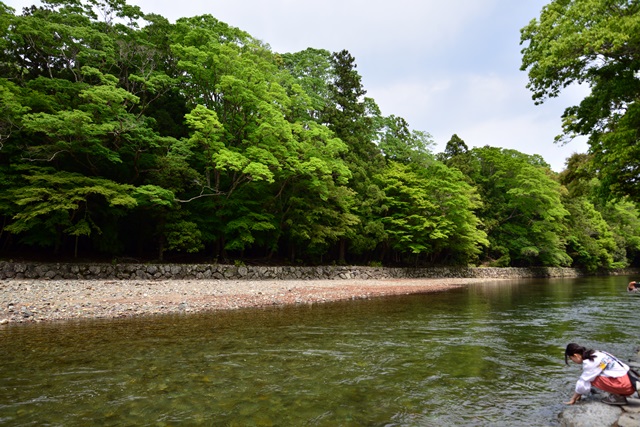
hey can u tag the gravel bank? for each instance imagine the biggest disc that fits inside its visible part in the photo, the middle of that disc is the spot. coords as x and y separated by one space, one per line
37 301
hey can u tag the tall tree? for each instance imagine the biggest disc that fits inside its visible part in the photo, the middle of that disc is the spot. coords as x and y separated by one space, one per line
312 70
58 204
455 147
71 125
350 116
430 213
597 43
522 208
623 217
591 244
456 154
261 157
399 143
346 113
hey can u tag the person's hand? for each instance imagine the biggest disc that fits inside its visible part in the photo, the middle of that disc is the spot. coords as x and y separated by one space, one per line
574 399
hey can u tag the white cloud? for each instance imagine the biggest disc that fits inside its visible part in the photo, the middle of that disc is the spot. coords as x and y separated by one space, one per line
410 98
482 110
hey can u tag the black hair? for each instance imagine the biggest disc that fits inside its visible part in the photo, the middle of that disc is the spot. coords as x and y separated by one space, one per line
574 348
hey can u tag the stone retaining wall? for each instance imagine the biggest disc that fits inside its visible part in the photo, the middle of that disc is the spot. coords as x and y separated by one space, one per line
40 271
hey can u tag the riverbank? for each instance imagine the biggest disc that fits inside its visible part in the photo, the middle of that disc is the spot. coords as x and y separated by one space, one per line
23 301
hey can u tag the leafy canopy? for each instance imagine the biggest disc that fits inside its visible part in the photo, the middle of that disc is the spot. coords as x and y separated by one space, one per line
595 43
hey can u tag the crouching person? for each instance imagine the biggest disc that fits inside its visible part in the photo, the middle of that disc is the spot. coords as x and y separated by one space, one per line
602 371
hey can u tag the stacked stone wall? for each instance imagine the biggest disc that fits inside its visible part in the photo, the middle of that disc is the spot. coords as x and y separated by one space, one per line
61 271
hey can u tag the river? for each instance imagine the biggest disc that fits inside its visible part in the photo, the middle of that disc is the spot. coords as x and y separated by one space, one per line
483 355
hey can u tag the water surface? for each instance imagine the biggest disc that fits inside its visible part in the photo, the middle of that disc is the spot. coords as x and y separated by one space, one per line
487 354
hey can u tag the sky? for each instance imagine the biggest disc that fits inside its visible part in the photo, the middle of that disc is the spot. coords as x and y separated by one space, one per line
446 67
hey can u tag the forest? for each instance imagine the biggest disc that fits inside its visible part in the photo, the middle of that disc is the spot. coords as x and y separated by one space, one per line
124 136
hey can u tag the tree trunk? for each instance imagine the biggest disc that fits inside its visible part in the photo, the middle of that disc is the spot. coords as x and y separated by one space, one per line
292 253
161 249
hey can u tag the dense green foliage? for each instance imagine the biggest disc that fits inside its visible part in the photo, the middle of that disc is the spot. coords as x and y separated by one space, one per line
595 43
124 135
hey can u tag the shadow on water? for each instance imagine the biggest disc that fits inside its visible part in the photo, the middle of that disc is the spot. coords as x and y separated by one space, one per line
487 354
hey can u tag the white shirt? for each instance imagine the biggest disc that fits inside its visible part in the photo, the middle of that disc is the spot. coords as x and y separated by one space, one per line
602 364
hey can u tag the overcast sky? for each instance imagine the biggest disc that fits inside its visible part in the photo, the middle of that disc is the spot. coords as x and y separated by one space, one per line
447 67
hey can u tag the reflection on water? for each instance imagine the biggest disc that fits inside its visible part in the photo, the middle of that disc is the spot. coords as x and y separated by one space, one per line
484 355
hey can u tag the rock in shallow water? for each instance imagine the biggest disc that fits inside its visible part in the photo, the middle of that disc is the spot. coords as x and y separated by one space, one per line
590 414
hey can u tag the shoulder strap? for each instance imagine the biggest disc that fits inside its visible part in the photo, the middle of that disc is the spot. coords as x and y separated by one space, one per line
613 357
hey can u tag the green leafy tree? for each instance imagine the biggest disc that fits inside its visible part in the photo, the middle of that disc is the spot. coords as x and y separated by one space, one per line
239 134
346 113
54 204
523 211
621 217
311 69
121 133
156 218
455 147
431 213
399 143
579 177
314 200
590 243
11 110
254 142
69 115
55 40
593 42
351 117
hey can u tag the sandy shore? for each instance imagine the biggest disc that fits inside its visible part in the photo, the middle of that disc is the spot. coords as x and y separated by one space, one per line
37 301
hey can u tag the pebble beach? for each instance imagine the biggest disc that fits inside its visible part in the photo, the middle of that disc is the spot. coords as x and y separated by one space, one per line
27 301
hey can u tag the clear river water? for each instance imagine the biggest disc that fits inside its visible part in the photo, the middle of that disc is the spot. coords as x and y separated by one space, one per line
482 355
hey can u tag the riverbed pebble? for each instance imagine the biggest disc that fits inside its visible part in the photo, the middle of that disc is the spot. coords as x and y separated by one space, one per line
48 300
